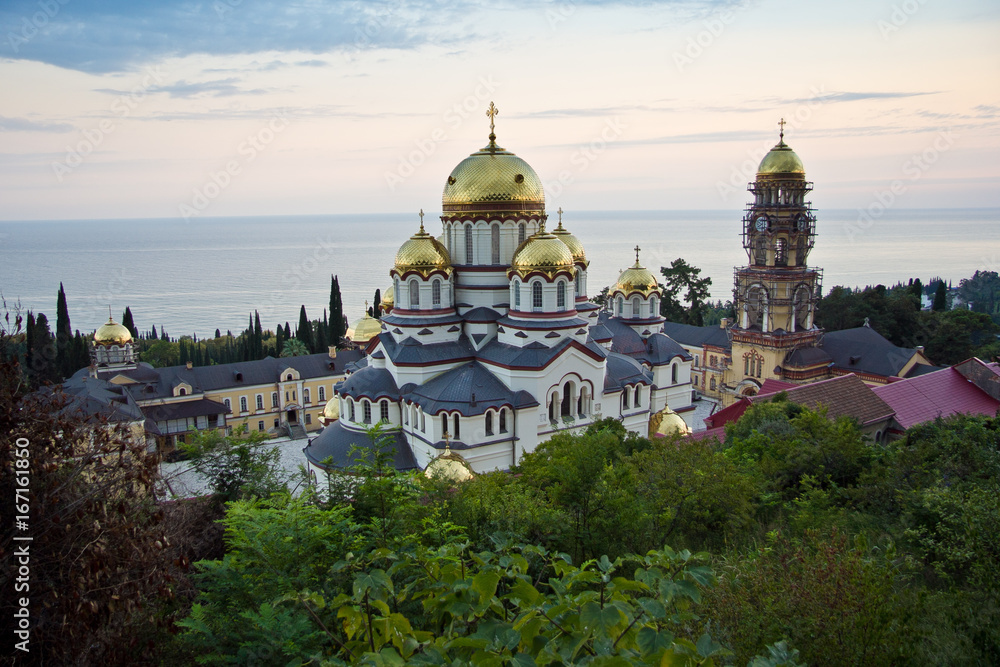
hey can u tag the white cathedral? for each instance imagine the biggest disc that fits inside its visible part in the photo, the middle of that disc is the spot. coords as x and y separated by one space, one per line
490 345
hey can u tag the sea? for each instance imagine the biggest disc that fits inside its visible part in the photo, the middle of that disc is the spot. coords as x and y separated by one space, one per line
213 273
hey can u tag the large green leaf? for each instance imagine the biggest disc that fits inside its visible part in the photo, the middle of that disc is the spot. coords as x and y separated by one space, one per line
601 620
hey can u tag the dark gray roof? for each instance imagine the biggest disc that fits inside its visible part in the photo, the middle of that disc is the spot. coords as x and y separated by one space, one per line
456 389
687 334
482 314
865 350
656 349
539 324
410 351
661 349
185 409
623 370
624 339
600 333
94 398
346 446
586 307
396 320
807 356
533 355
373 383
923 369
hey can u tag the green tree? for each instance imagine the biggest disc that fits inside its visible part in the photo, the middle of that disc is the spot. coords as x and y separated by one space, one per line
337 327
129 323
294 348
304 332
940 298
239 466
64 337
681 277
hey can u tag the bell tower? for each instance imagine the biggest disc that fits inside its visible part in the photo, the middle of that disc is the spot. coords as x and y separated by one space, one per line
776 293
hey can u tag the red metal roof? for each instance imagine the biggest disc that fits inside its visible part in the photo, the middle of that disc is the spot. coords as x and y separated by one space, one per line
938 394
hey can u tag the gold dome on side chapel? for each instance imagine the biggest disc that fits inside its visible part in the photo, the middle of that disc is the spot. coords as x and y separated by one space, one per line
366 329
332 410
636 278
388 298
450 466
492 179
571 242
666 422
542 252
781 159
112 333
423 254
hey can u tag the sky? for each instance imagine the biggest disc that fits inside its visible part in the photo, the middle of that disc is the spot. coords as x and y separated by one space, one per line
189 109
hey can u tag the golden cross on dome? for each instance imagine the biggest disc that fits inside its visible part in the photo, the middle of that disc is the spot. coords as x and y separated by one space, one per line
637 249
492 112
560 215
781 132
421 220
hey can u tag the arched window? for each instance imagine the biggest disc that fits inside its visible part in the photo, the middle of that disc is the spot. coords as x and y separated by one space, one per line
350 405
383 410
305 395
561 295
760 251
243 404
322 394
182 392
621 307
567 401
229 406
457 432
406 415
673 373
517 294
423 421
653 307
436 292
636 307
444 424
503 420
414 294
625 393
489 422
451 240
366 411
260 401
711 383
536 295
274 397
495 244
781 252
578 283
520 233
638 396
468 244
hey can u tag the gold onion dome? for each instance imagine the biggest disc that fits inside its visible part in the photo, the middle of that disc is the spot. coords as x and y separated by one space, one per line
366 329
492 179
571 242
781 159
449 466
637 278
667 422
542 252
332 410
112 333
422 253
388 298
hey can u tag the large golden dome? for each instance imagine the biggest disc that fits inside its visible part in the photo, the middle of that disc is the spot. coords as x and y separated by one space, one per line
492 179
422 253
366 329
542 252
571 242
636 278
781 160
112 333
449 466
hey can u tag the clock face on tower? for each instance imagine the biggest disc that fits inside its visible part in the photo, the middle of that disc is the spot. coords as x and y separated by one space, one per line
760 224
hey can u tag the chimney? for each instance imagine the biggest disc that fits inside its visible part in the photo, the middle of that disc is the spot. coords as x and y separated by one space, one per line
189 365
333 351
724 323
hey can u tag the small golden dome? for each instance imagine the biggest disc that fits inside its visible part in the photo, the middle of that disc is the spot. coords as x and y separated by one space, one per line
667 422
388 298
112 333
332 410
781 160
492 179
636 278
543 252
450 466
366 329
422 253
573 243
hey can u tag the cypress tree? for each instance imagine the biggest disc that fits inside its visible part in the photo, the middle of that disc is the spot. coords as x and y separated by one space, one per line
258 337
377 307
304 332
279 340
940 298
152 333
288 332
321 333
64 336
129 323
218 334
29 339
337 328
43 352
